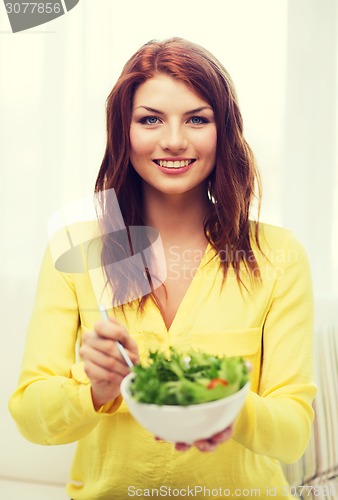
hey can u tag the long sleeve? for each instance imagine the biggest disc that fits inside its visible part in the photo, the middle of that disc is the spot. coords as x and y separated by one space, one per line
277 421
52 403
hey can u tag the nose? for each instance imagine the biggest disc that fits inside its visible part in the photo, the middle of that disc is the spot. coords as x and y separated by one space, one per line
173 138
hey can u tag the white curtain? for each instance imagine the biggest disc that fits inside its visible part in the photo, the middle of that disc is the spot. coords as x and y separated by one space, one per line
54 80
309 171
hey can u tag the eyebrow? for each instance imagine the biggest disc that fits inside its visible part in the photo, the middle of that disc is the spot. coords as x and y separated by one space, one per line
191 112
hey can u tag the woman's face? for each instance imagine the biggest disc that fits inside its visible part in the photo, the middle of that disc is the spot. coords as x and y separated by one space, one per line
172 135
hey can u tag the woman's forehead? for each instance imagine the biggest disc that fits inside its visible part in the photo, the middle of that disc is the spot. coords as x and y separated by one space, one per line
162 91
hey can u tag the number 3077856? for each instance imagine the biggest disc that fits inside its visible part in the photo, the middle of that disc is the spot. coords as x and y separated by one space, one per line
33 8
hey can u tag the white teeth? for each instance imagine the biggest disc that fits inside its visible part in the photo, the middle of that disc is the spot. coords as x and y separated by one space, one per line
173 164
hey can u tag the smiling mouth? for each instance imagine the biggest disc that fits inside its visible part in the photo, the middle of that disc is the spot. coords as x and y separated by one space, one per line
174 164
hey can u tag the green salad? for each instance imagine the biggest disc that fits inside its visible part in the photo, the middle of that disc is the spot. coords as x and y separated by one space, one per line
186 379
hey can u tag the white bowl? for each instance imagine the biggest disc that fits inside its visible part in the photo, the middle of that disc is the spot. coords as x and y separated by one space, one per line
185 424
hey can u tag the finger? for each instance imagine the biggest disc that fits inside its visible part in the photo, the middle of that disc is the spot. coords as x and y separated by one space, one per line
108 362
100 375
115 331
102 344
222 436
111 330
106 346
182 446
205 445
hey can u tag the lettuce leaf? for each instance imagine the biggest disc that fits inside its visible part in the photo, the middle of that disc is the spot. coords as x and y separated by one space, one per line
186 378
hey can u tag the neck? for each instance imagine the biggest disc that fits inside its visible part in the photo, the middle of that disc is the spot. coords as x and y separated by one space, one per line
175 216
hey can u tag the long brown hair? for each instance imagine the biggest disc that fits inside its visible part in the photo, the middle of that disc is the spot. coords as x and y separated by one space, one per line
232 182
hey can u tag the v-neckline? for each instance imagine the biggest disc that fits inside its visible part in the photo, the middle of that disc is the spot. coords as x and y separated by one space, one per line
185 297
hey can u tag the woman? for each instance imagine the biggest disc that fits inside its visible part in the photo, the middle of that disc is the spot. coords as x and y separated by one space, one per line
178 162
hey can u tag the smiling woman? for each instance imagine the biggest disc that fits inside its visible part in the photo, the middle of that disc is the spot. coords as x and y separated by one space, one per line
173 141
178 161
179 103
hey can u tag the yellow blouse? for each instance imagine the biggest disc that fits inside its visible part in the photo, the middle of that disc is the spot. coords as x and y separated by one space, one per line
270 325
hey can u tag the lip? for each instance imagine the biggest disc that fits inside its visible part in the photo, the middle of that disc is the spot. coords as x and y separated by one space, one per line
174 171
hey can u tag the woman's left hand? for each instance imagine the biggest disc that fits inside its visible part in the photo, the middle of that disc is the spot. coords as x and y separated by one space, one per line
210 444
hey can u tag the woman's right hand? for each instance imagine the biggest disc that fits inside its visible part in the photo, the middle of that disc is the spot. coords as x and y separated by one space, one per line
103 362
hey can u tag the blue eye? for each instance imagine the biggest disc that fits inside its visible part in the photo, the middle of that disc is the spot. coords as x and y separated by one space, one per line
149 120
198 120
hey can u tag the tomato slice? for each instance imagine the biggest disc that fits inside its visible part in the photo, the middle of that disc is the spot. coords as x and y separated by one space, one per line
217 381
